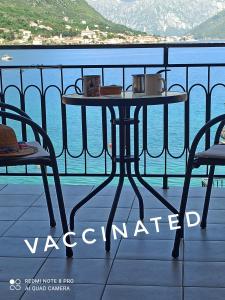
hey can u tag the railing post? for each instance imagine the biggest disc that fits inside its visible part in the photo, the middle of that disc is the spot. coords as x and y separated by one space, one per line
2 96
208 110
22 105
64 121
165 182
165 56
166 122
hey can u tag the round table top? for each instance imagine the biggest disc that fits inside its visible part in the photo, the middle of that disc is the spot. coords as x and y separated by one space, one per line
125 99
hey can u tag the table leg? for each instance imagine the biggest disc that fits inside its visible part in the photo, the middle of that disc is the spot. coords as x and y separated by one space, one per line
129 172
122 133
137 192
89 196
112 213
136 166
106 182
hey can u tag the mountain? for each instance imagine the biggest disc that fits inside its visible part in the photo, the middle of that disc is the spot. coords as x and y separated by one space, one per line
159 17
52 17
213 28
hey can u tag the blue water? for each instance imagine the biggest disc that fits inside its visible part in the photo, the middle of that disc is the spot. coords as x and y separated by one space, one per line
114 76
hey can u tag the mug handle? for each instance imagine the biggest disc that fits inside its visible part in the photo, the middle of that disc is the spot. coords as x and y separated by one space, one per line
77 89
129 86
164 83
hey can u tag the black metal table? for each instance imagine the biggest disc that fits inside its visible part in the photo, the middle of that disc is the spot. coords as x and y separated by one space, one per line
124 102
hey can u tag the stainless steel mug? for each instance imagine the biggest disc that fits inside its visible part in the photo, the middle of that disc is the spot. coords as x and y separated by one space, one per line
91 85
154 84
138 83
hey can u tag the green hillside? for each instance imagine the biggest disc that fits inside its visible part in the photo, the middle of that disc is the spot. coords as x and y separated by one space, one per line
213 28
52 17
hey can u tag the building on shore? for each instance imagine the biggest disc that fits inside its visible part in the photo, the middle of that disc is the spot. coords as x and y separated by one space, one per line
88 34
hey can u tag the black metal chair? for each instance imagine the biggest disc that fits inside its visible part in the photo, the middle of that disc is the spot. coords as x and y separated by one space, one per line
43 157
213 156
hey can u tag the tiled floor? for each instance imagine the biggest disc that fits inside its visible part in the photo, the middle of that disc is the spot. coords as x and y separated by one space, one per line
138 267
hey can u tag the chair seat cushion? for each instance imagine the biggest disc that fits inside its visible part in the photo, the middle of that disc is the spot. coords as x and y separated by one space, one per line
39 157
41 151
213 156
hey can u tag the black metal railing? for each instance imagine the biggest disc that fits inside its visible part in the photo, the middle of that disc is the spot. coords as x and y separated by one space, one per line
83 149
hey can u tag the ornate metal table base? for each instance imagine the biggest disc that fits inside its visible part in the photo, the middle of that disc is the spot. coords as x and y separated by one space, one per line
125 159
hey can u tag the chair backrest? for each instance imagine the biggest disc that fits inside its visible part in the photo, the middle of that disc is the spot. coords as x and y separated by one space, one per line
38 131
220 119
10 107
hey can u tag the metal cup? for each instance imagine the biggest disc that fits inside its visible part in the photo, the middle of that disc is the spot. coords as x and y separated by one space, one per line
138 83
91 85
154 84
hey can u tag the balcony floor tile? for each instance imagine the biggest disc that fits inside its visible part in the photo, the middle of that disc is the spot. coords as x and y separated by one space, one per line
97 201
33 229
120 292
204 274
22 189
88 214
79 190
91 271
19 267
11 213
213 232
146 272
191 293
16 247
150 213
8 294
204 251
132 249
4 226
83 250
77 292
17 200
38 214
164 231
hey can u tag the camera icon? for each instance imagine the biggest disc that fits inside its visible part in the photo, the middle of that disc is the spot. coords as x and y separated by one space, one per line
15 284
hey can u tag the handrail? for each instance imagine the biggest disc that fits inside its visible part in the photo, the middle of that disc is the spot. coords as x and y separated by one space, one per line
192 44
